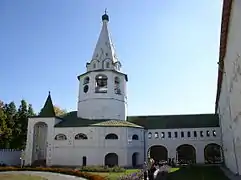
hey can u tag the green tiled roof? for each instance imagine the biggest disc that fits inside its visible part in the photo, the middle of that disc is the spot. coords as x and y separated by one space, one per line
48 109
149 122
176 121
117 123
71 120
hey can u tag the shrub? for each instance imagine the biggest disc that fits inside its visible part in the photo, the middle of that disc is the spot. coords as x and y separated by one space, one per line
56 170
101 169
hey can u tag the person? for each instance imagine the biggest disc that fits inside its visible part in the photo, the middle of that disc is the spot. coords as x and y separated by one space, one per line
151 170
145 168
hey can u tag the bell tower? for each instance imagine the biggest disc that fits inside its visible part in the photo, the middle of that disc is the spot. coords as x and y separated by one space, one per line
102 88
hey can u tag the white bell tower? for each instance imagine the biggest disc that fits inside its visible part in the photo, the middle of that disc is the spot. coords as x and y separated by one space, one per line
102 88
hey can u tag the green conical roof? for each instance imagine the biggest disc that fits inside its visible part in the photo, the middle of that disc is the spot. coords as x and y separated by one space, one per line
48 109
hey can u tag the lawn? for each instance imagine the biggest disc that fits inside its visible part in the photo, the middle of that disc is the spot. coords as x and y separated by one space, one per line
197 173
20 177
115 176
183 173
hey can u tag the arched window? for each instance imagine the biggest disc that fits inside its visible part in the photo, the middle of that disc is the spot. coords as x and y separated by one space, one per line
111 136
80 136
101 83
117 85
94 66
86 80
135 137
149 135
60 137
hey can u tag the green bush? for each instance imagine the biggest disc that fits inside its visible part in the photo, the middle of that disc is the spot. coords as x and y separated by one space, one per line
67 171
101 169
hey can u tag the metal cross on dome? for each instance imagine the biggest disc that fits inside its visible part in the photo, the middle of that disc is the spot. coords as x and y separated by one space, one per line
105 10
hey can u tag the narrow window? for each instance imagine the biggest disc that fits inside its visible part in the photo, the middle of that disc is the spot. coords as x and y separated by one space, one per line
207 133
149 135
107 65
169 134
214 133
162 134
176 134
201 133
188 134
84 161
117 85
156 135
182 134
195 133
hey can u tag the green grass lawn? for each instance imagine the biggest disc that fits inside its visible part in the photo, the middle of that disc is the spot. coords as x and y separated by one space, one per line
197 173
20 177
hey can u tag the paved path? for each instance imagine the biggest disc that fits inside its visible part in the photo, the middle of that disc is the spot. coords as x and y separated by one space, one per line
48 175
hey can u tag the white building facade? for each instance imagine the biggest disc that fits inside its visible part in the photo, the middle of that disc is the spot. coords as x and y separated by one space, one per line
228 102
101 133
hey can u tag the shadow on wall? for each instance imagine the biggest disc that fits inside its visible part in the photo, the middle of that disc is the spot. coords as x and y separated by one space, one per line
197 173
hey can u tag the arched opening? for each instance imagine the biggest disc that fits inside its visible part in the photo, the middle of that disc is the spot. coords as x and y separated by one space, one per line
158 153
40 143
135 159
135 137
186 154
111 160
86 80
84 161
213 153
101 83
117 85
111 136
80 136
60 137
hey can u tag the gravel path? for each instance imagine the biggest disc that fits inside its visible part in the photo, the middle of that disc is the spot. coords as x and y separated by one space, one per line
48 175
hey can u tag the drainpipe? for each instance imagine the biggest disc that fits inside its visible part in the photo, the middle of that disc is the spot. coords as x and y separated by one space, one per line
144 138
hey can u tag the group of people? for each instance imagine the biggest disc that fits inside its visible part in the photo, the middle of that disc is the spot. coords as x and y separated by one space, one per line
155 170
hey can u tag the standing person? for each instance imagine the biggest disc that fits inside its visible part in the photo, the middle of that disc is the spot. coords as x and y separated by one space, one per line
145 169
151 169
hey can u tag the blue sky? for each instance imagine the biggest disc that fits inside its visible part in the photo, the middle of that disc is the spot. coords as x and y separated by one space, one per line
169 49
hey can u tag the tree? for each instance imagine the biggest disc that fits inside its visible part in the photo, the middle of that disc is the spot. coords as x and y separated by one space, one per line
23 123
58 111
30 111
5 131
10 113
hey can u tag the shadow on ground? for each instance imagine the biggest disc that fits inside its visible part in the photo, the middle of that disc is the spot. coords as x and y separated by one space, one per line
197 173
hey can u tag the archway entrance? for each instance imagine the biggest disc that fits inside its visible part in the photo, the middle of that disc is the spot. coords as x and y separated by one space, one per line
40 143
186 154
158 153
213 153
135 159
111 160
